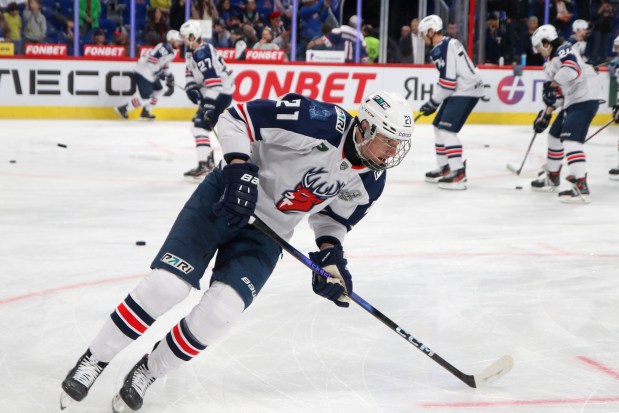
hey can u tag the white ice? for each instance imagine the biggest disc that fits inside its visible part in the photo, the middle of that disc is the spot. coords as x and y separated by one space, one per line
473 275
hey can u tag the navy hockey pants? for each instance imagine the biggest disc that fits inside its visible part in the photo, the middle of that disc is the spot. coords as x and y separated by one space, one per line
245 257
572 124
146 87
453 112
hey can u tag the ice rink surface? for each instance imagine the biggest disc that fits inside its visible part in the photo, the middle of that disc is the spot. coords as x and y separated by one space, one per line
473 275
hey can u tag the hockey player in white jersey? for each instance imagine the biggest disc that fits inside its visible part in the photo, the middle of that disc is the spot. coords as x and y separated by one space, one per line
151 69
578 39
573 86
284 160
458 90
209 84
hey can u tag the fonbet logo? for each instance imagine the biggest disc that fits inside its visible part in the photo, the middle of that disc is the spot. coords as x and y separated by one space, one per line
511 90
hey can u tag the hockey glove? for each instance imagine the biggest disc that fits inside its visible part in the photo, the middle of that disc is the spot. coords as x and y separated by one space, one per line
542 121
549 94
428 108
336 288
238 201
193 92
208 108
616 113
169 81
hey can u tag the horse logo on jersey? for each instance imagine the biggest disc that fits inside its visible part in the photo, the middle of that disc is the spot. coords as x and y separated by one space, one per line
312 190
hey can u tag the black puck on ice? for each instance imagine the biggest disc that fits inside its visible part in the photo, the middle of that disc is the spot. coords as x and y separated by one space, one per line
486 146
140 243
518 187
62 145
12 161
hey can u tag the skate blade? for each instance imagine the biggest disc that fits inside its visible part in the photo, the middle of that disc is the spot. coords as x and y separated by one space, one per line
65 400
118 404
545 189
453 186
119 113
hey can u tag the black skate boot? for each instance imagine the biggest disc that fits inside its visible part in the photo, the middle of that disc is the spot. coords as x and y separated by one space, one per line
122 111
134 387
198 173
579 194
433 176
613 174
455 180
146 115
547 181
80 379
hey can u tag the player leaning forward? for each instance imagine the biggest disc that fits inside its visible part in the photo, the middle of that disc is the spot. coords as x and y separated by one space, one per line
580 91
283 159
458 90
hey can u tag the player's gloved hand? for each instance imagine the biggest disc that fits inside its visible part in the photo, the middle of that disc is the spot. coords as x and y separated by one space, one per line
169 80
193 92
542 121
238 201
208 108
616 113
549 94
336 288
428 108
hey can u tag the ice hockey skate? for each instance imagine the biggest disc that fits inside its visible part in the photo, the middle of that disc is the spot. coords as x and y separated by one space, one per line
455 180
547 181
122 111
579 194
131 394
613 174
80 379
436 174
146 115
197 174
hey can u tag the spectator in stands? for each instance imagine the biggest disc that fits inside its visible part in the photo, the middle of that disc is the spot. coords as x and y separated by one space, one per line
242 37
283 41
412 46
533 58
313 13
35 23
275 24
221 36
266 41
372 44
204 10
14 23
121 39
156 28
251 16
224 8
452 30
404 31
98 37
602 19
66 36
285 8
562 20
177 14
163 5
4 28
90 11
495 41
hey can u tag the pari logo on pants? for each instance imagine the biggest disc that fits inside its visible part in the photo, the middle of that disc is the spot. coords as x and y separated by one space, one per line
176 262
312 190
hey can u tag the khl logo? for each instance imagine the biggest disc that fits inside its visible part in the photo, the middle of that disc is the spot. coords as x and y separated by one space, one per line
511 89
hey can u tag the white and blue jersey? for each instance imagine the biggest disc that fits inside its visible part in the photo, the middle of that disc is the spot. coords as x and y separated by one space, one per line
458 76
298 143
205 68
345 38
155 63
579 46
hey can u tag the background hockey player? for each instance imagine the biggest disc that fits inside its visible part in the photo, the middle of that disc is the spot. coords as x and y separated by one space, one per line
580 90
613 70
284 160
578 39
151 69
209 84
459 89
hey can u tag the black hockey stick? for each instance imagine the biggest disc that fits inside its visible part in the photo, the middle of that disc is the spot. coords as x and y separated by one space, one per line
493 372
418 116
512 167
599 130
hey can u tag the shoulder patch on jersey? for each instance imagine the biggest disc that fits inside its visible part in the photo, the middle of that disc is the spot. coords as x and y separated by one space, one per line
319 113
340 122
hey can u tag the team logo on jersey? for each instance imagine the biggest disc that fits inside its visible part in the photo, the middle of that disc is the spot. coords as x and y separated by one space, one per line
177 263
511 90
341 120
312 190
319 113
381 102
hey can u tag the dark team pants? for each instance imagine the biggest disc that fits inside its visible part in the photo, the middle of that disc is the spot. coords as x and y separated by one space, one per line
145 86
572 124
453 112
245 258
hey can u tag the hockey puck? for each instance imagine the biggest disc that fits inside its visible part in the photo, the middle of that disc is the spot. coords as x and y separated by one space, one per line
12 161
62 145
140 243
486 146
518 187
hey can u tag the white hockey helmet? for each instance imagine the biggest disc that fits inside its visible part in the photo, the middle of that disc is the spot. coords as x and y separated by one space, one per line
173 35
191 28
579 24
430 22
390 115
546 32
616 42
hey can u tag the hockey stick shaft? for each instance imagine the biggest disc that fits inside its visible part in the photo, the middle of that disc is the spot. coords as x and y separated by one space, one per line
599 130
526 155
418 116
469 380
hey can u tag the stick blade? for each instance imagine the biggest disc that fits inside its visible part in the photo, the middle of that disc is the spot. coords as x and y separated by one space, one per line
512 168
494 372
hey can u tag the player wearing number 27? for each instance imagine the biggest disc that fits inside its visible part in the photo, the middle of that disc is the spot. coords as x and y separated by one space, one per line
457 91
284 159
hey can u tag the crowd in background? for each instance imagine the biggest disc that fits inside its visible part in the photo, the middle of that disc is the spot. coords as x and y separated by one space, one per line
243 24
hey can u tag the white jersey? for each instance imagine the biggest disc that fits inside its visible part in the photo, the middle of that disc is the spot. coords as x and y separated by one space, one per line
298 144
209 70
458 76
156 62
579 46
577 80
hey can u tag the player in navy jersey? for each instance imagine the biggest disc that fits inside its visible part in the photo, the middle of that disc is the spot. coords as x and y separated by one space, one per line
151 69
209 84
458 90
283 160
572 86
